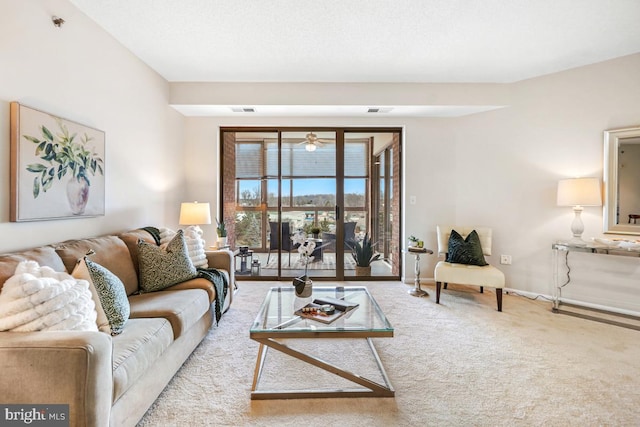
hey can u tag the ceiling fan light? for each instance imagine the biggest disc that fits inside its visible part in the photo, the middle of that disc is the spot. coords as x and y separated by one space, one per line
310 147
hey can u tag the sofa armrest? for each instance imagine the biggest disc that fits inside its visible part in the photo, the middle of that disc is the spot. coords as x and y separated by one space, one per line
73 368
223 260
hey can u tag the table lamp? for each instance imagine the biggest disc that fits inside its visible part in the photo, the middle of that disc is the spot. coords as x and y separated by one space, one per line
579 192
194 213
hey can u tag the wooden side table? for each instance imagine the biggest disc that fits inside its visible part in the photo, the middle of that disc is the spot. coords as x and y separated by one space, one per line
416 252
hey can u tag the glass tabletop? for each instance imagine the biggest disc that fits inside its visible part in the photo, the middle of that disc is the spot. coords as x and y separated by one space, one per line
277 313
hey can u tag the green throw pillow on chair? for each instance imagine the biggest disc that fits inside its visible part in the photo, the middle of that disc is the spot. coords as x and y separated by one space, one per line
465 251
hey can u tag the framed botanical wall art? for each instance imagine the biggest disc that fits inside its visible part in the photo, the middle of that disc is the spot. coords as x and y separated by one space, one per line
57 167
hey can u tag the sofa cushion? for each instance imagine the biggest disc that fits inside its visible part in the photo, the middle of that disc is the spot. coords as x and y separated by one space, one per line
44 256
136 351
197 283
109 251
182 308
131 239
162 267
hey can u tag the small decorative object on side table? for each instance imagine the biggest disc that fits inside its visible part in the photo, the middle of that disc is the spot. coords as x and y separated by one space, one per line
417 251
304 285
246 259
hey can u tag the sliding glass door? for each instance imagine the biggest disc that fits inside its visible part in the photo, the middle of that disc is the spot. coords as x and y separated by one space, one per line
284 187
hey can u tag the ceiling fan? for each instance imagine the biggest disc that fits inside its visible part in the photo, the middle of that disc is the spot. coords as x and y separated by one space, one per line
312 142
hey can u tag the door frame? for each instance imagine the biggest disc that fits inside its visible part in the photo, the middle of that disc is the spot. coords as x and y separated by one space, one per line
340 135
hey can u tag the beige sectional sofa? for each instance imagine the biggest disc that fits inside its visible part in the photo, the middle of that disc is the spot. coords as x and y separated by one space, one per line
108 380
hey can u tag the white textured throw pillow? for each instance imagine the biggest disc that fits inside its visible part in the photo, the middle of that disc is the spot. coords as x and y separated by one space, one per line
40 299
195 244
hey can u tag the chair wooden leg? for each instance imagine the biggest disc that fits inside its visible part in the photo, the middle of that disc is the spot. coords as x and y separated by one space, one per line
481 289
445 285
438 284
499 298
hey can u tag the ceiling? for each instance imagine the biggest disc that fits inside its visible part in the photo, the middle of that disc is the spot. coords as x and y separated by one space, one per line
435 41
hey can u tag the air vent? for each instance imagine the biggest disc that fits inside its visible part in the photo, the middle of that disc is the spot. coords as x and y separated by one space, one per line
243 109
379 109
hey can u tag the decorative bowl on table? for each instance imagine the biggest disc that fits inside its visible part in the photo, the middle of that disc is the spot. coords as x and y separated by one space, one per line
607 242
629 245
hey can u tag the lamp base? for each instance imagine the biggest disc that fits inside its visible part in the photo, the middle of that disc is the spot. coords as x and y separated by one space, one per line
577 227
577 241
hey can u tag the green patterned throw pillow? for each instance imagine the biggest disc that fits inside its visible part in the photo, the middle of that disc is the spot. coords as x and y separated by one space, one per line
161 268
465 251
112 294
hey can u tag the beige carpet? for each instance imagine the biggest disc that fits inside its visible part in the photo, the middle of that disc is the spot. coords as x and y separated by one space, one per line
461 363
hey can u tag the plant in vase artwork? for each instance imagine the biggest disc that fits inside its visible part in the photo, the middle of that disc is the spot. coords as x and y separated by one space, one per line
64 153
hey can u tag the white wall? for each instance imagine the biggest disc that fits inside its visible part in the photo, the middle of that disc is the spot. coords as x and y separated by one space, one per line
80 73
498 168
509 162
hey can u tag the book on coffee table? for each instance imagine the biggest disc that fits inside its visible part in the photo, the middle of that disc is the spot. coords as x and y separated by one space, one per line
314 311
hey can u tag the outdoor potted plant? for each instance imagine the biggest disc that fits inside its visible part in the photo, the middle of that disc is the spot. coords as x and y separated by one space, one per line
364 254
221 230
315 231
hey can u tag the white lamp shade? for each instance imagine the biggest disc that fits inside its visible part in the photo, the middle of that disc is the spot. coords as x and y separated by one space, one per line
579 192
195 213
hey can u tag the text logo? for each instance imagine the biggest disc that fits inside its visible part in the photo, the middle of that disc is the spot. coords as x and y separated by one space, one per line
34 415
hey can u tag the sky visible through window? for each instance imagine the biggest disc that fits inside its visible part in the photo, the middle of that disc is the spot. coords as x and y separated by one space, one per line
303 187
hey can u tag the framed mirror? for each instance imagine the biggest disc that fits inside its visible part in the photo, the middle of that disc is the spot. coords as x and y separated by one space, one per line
622 181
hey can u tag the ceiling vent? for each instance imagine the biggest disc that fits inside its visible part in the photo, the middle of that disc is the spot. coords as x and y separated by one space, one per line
379 109
243 109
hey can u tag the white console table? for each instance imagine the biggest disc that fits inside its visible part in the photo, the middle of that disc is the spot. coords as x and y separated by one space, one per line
594 248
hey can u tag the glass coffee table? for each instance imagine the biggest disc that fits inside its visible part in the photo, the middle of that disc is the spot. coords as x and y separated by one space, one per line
276 322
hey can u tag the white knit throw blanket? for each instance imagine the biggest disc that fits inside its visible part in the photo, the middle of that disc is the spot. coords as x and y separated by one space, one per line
40 299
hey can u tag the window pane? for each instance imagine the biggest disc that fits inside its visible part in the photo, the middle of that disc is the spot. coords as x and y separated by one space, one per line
314 192
248 229
248 192
354 192
248 160
298 161
356 158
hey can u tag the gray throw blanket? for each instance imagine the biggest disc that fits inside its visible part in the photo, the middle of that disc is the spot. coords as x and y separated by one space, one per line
218 279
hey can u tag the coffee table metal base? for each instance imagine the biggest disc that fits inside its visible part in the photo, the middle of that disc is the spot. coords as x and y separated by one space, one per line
368 388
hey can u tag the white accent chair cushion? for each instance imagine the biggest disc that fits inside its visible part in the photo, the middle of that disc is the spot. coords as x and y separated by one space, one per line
446 272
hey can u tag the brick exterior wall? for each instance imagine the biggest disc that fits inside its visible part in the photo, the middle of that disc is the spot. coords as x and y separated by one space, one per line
228 173
396 244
